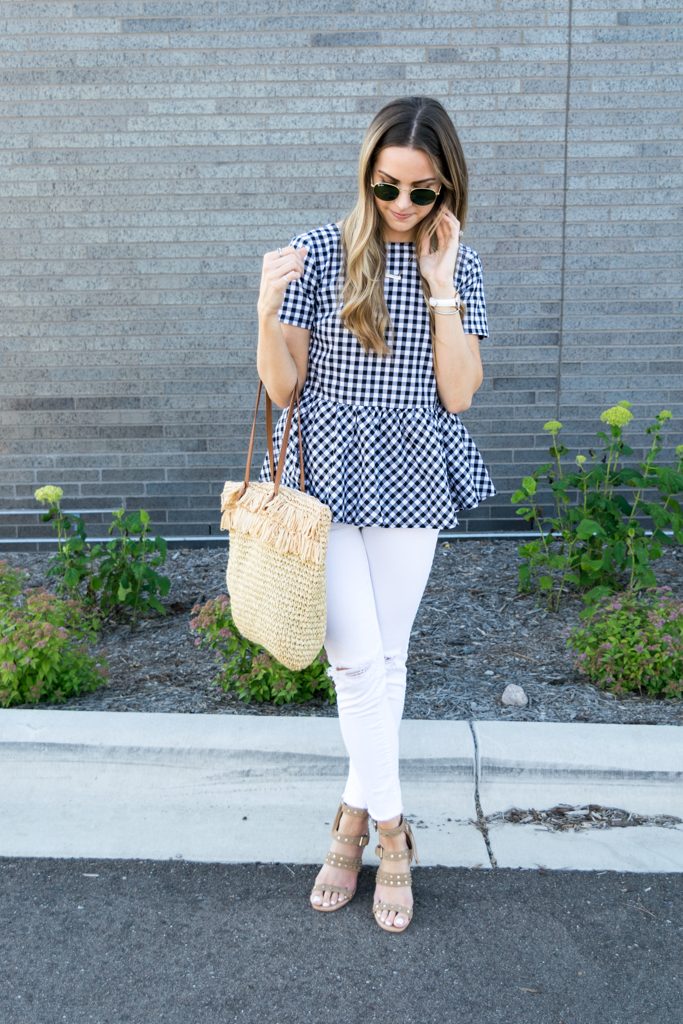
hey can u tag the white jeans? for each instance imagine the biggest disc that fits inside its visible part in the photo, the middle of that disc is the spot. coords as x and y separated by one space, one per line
376 577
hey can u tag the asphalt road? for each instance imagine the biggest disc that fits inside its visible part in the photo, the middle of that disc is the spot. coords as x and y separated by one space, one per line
177 942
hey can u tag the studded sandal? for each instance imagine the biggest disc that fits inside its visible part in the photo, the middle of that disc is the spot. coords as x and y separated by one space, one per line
394 879
338 860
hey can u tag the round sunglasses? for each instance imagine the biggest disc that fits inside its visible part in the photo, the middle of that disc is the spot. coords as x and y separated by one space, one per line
420 196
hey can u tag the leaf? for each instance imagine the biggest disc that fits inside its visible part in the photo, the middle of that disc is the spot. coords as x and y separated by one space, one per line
646 576
589 528
558 450
595 593
529 485
669 481
524 574
622 504
660 516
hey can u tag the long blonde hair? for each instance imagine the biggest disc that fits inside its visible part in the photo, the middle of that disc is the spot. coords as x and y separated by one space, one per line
420 123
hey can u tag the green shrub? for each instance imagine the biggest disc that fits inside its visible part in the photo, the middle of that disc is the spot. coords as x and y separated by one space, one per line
594 541
11 584
125 576
248 670
633 641
72 565
43 645
110 578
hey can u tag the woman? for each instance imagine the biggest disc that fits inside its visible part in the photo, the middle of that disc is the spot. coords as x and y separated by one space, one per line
377 319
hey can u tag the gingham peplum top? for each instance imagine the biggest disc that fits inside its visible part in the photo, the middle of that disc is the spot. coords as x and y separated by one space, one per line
379 447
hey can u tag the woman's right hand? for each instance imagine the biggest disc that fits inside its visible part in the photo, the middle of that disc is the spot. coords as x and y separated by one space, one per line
276 273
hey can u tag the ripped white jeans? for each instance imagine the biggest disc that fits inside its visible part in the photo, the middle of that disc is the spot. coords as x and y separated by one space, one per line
376 576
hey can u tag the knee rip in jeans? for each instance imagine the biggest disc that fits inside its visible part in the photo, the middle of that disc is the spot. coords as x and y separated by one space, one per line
357 670
395 660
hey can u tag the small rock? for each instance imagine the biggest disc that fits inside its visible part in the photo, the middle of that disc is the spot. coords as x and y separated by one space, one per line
514 695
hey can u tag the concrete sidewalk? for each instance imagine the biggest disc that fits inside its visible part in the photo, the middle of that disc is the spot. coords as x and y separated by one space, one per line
218 788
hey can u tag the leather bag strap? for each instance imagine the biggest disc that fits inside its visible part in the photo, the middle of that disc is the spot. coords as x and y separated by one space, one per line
275 476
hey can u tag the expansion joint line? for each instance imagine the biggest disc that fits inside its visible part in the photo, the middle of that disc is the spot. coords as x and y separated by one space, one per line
480 822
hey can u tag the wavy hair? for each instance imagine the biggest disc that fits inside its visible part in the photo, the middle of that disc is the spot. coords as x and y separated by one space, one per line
420 123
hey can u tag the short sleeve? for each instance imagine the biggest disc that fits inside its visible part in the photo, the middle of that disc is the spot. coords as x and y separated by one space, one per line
469 281
300 299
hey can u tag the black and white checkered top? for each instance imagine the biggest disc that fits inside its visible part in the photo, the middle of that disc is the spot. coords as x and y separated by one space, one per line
379 447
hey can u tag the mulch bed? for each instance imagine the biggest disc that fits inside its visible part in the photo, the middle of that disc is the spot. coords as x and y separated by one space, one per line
473 635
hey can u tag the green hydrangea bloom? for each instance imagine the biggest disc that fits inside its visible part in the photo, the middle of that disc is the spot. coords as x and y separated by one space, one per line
665 414
580 459
553 426
48 495
617 416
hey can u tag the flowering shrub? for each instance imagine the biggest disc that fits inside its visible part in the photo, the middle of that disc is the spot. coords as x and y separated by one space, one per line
595 540
113 577
43 655
248 670
49 495
633 641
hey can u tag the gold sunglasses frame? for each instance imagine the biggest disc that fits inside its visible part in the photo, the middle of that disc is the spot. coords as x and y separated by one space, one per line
404 188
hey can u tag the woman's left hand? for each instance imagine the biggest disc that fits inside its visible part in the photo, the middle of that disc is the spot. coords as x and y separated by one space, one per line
439 267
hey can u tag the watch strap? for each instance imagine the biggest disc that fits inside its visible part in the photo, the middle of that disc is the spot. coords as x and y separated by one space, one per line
453 302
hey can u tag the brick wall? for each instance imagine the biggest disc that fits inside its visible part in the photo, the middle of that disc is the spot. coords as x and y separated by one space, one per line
152 151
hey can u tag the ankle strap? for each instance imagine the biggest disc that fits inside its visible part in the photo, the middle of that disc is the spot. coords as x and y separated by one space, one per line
396 831
360 812
403 826
357 812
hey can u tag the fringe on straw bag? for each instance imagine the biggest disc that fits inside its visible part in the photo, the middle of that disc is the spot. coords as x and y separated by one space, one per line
276 556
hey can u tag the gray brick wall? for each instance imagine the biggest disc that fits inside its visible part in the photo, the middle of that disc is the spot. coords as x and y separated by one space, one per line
152 151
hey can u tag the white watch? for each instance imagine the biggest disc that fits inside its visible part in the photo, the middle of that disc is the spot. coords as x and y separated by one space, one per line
454 302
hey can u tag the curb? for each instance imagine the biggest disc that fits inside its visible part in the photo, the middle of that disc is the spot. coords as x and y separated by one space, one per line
219 788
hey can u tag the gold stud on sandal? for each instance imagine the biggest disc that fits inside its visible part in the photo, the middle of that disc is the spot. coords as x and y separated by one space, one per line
394 879
338 860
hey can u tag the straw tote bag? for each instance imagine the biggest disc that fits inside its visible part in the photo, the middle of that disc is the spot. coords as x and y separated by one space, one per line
276 555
